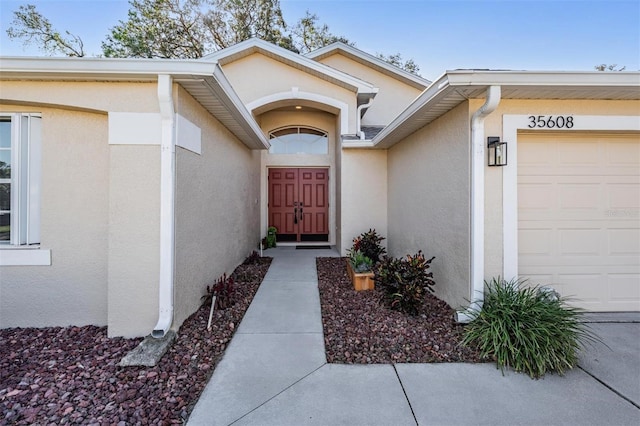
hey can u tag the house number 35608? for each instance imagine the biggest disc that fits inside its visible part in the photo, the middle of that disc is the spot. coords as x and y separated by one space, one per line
551 121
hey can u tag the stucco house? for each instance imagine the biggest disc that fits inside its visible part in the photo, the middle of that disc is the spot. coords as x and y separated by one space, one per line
129 185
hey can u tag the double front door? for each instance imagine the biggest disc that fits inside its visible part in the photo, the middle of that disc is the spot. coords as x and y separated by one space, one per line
299 203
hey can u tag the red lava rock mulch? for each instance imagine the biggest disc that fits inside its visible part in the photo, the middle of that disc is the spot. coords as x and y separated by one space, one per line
70 375
359 329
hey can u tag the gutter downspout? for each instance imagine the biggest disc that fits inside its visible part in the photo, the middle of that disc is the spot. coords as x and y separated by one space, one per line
478 159
167 212
359 118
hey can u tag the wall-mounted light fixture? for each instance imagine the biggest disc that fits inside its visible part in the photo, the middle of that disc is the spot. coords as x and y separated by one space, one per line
497 151
298 106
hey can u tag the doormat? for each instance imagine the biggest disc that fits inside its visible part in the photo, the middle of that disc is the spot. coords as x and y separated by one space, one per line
313 247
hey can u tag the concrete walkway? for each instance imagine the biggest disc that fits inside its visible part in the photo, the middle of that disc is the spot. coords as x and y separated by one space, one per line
274 372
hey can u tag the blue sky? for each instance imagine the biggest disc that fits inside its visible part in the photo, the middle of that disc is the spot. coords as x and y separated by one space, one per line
438 35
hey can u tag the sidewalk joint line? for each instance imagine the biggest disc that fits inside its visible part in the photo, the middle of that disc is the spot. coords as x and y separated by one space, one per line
610 388
405 393
276 395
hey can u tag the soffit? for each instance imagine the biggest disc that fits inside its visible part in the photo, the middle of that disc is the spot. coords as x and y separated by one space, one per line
203 80
221 106
456 87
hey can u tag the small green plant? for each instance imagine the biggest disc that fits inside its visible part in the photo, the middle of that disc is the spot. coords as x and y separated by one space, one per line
405 282
271 237
529 329
359 262
222 290
369 244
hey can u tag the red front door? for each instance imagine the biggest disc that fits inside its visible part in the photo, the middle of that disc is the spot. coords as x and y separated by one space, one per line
299 204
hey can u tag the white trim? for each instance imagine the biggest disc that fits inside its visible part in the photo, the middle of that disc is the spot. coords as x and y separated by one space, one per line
188 135
135 128
308 96
511 124
477 196
280 54
10 256
361 56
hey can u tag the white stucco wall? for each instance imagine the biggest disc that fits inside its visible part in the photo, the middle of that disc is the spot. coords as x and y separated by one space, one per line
393 95
100 211
74 220
363 193
429 201
134 233
217 207
276 77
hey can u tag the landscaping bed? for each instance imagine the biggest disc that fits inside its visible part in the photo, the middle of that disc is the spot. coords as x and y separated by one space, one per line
359 329
70 375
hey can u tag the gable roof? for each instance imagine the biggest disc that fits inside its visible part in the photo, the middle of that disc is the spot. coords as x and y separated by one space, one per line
364 90
454 87
371 61
204 80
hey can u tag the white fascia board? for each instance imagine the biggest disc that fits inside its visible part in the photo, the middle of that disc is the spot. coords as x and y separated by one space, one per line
543 78
451 80
100 68
254 45
438 87
336 47
136 69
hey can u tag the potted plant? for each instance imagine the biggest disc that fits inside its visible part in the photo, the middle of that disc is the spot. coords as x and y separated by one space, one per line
360 271
270 239
365 252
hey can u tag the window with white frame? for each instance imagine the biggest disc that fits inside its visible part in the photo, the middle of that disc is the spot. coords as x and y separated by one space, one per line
20 181
299 140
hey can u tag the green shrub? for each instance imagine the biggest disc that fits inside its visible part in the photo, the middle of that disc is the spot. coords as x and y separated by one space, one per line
369 244
360 262
528 329
405 282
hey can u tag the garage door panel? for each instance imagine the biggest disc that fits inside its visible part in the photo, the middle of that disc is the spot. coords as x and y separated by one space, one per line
579 196
623 242
623 153
579 217
582 154
624 289
580 242
623 196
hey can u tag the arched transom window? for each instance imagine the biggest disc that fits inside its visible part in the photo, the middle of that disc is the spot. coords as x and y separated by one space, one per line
299 140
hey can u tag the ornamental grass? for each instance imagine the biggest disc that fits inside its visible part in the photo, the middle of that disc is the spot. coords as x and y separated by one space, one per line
529 329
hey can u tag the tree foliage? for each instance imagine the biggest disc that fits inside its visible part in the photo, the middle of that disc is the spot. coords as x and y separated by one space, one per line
188 29
611 67
30 26
311 35
409 65
192 28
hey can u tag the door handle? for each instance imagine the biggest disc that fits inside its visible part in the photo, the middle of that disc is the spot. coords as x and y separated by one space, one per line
295 213
301 215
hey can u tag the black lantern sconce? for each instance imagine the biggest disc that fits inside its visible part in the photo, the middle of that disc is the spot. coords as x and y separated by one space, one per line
497 151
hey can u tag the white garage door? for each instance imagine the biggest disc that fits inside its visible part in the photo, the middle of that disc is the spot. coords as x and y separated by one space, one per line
579 217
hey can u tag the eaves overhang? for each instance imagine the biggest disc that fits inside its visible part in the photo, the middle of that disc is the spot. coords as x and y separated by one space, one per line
363 89
370 61
454 87
205 81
